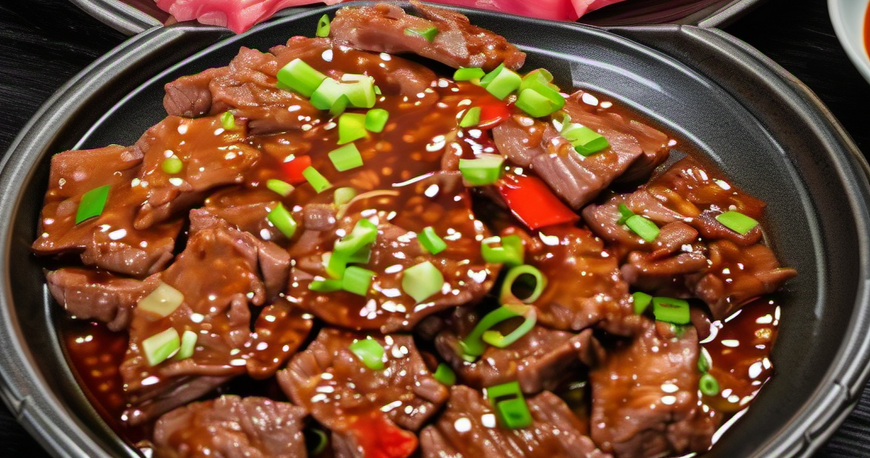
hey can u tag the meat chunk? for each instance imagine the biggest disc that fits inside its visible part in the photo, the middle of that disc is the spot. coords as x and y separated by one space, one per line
646 399
109 241
388 28
88 294
468 429
279 331
231 426
357 402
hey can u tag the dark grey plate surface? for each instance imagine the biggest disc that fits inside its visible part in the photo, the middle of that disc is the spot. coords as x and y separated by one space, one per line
758 124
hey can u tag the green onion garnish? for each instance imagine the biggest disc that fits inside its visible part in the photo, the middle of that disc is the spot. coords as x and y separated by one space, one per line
351 126
363 234
429 34
228 121
324 285
431 241
343 195
322 440
540 100
468 74
357 280
473 345
511 251
496 339
445 375
510 405
318 181
161 346
322 26
92 203
641 301
172 165
709 385
484 170
376 120
326 94
301 77
703 362
360 90
282 220
525 274
536 78
282 188
422 281
643 227
585 140
188 345
346 157
370 352
471 117
162 301
501 82
340 104
737 222
670 310
624 214
335 264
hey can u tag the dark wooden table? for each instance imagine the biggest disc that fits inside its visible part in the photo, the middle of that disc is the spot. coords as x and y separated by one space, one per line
45 42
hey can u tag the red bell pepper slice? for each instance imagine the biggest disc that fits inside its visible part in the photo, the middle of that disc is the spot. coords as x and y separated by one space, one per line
532 202
492 112
292 170
381 438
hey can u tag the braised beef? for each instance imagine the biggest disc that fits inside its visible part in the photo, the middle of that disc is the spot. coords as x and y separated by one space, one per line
388 28
279 330
468 428
646 401
230 426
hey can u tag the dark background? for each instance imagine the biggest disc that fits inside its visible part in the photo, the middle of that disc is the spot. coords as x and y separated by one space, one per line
43 43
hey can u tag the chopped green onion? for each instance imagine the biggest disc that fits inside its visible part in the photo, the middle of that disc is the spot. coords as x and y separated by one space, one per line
540 100
172 165
709 385
422 281
643 227
624 214
471 117
370 352
357 280
324 285
510 405
301 77
429 34
445 375
92 203
496 339
670 310
585 140
322 441
360 90
318 181
431 241
346 157
511 251
340 104
323 26
351 126
282 220
161 346
228 121
473 345
327 94
376 120
641 301
282 188
523 273
361 256
468 74
737 222
188 345
377 90
363 234
162 301
343 195
703 362
484 170
501 82
536 78
335 264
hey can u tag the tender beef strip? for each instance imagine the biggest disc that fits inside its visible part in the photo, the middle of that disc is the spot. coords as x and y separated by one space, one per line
468 428
246 209
109 241
231 426
357 402
279 331
540 360
219 274
212 157
440 201
385 28
189 96
645 397
584 286
89 294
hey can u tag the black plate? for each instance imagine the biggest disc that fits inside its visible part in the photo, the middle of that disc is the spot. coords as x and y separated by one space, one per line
755 121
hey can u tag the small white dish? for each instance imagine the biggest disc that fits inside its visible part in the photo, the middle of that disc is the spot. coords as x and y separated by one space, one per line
848 19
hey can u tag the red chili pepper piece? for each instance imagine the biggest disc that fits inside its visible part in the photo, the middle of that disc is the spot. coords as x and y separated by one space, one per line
380 438
293 170
492 112
532 202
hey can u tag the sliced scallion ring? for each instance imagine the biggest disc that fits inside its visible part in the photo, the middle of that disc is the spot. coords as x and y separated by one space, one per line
228 121
516 277
92 203
643 227
445 375
428 34
188 345
346 157
483 170
708 385
322 26
300 77
162 301
343 195
282 220
422 281
376 120
161 346
498 340
172 165
468 74
670 310
737 222
501 82
357 280
641 301
471 117
511 251
370 352
316 179
473 345
280 187
431 241
509 403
